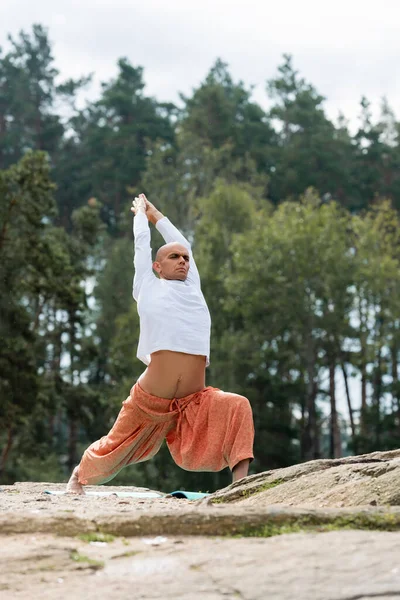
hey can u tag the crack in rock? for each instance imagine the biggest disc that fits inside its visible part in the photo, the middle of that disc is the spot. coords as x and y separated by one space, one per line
373 595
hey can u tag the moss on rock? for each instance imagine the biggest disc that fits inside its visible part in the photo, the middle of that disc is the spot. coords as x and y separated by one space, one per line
313 523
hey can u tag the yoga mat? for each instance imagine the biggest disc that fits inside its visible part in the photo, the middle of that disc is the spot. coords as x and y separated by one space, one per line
176 494
188 495
119 494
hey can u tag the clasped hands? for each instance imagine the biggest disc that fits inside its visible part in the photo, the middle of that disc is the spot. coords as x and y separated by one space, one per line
141 204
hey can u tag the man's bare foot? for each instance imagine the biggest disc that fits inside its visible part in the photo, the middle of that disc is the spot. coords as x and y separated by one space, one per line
73 485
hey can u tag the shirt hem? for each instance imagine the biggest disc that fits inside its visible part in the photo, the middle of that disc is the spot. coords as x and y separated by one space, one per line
146 357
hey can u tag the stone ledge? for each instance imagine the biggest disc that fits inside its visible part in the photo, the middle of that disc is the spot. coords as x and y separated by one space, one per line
199 521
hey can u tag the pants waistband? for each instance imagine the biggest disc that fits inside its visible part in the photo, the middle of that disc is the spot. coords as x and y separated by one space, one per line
163 409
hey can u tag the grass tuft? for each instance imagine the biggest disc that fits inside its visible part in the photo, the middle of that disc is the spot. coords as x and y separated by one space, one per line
96 537
82 558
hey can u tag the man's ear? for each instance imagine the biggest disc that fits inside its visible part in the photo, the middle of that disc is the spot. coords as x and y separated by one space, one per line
157 267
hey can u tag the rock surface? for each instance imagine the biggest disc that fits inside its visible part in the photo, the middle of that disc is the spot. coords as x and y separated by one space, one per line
370 479
323 530
344 565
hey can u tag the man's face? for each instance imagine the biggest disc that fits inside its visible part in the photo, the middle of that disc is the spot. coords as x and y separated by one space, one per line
172 262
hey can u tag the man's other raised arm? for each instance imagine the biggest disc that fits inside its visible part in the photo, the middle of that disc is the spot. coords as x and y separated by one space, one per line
171 233
142 260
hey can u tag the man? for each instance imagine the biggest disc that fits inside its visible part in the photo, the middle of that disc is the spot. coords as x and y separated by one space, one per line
206 429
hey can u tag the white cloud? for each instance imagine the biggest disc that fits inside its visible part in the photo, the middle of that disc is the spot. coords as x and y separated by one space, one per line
346 49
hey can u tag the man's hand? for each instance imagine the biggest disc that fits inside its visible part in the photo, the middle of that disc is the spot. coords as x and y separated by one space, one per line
152 213
139 204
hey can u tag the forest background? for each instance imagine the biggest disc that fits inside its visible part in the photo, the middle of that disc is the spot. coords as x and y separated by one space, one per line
295 229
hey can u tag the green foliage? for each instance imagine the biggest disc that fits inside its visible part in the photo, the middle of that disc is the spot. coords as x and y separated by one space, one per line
221 111
44 301
310 152
113 133
27 93
25 202
42 467
294 227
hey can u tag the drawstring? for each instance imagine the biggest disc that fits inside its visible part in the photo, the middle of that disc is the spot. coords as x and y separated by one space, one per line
157 410
179 405
175 405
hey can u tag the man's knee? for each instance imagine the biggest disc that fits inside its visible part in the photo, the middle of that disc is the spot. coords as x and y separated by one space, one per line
240 403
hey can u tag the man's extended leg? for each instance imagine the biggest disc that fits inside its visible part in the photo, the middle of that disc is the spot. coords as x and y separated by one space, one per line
73 485
136 436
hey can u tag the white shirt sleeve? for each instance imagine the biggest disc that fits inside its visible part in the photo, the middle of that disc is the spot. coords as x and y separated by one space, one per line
171 234
142 261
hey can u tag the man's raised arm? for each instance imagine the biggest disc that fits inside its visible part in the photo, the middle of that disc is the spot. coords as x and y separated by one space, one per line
171 233
141 232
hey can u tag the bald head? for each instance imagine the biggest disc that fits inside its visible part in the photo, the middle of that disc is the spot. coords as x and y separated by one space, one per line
172 261
171 247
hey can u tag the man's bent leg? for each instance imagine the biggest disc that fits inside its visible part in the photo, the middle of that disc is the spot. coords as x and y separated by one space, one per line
216 431
240 470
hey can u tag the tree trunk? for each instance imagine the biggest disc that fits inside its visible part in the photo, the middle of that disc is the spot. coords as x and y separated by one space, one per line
351 414
311 434
363 413
41 301
52 427
38 124
335 443
73 421
55 370
6 450
302 425
395 380
117 203
341 355
72 444
377 397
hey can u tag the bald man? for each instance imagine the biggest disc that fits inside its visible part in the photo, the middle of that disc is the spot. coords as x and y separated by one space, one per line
206 429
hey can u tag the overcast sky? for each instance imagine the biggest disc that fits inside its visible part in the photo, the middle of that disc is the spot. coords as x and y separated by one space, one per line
345 48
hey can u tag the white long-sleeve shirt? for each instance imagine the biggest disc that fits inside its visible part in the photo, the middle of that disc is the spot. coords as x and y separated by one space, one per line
173 314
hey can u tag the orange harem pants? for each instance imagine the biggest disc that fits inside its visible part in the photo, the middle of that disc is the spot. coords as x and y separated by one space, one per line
205 431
